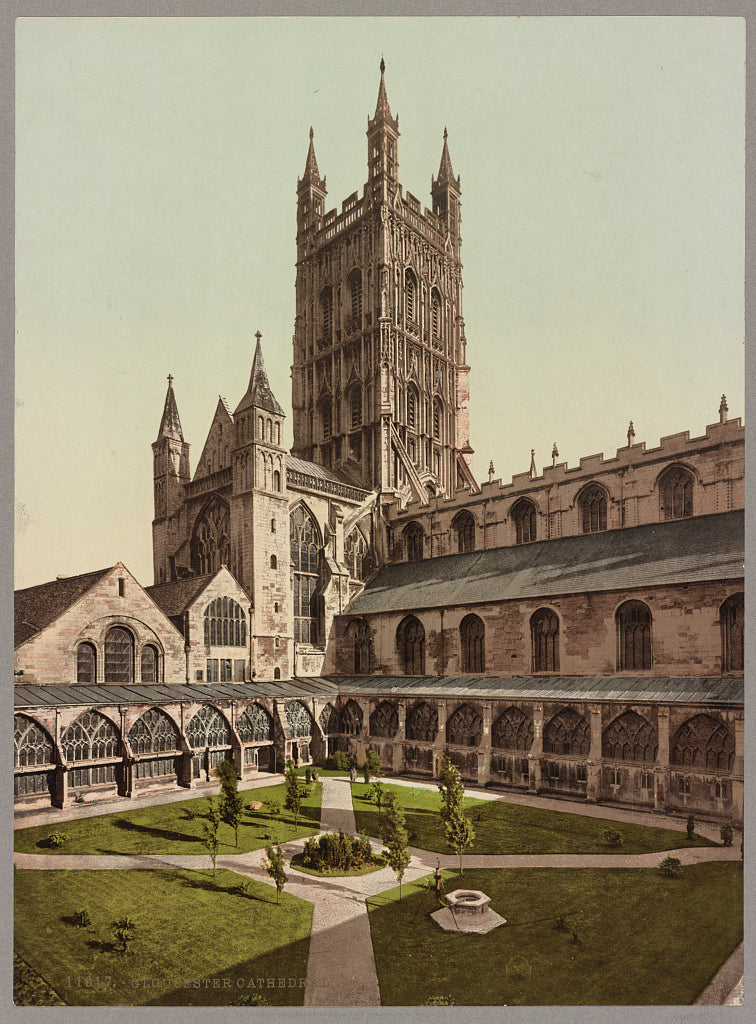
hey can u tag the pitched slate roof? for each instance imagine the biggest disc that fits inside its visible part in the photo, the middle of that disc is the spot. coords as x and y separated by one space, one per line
631 689
70 695
174 598
319 472
685 551
36 607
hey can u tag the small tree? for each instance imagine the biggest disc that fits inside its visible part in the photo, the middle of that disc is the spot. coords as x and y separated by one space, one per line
377 793
293 800
230 801
395 839
690 828
274 865
372 766
210 831
458 828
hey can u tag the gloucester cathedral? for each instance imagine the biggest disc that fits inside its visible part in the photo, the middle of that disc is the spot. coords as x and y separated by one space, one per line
574 632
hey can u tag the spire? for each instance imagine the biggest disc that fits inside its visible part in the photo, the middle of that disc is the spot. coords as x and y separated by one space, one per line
630 435
311 174
382 109
258 393
554 454
445 169
170 424
723 410
533 472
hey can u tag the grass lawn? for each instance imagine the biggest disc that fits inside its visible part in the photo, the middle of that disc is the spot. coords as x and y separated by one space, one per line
190 927
504 828
165 828
641 939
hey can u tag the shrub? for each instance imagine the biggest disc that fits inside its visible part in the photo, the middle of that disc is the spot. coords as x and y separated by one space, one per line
252 999
272 807
337 850
55 840
670 867
124 936
189 814
612 837
338 761
308 774
690 827
82 918
725 834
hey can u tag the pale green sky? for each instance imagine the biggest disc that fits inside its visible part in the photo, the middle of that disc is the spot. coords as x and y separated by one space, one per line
602 167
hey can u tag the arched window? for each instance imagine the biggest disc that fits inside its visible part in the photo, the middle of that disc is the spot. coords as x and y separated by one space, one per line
326 418
355 551
31 743
305 540
567 733
422 723
355 404
633 636
276 480
435 314
512 730
91 736
355 293
384 720
413 542
209 546
208 728
350 719
119 656
326 313
273 562
86 663
703 742
472 635
676 493
410 640
592 507
437 419
732 620
154 733
464 524
149 666
410 296
544 636
411 408
524 516
358 633
329 720
255 725
630 737
298 718
465 727
225 623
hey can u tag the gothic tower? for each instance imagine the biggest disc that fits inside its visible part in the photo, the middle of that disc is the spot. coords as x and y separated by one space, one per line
170 472
259 520
379 376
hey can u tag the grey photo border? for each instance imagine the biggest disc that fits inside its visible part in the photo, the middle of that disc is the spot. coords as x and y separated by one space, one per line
13 9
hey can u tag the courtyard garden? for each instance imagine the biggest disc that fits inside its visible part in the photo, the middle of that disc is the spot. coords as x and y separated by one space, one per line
573 937
178 827
191 938
506 828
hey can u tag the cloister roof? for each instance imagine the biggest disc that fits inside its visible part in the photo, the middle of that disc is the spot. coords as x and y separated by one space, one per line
700 549
630 689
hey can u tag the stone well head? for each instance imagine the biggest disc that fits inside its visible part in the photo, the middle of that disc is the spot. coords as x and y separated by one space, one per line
468 902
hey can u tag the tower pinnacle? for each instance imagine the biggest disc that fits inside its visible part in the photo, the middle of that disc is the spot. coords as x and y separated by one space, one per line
258 392
170 424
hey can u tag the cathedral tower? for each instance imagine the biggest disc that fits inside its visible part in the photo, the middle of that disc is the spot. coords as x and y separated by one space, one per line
170 472
379 376
259 520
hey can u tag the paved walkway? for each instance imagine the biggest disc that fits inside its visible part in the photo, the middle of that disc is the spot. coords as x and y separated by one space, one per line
340 927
